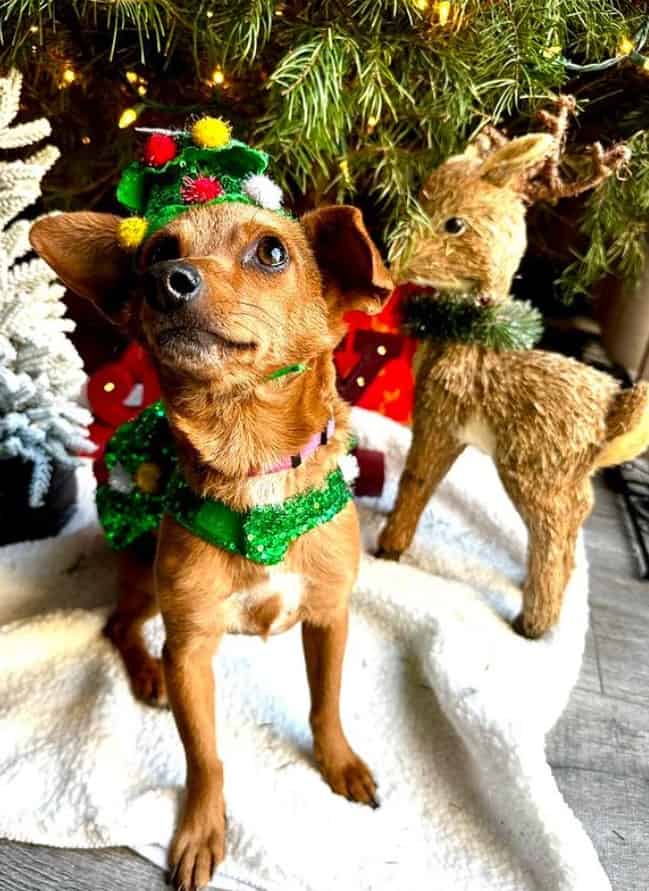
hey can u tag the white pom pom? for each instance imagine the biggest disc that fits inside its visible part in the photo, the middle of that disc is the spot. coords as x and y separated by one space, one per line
120 480
263 191
349 467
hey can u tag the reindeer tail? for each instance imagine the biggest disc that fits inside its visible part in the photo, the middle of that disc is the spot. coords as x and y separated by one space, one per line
627 426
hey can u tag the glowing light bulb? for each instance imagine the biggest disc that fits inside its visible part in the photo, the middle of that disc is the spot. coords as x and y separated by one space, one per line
625 46
34 29
131 77
421 4
209 14
69 75
128 117
372 121
85 140
141 90
443 9
218 77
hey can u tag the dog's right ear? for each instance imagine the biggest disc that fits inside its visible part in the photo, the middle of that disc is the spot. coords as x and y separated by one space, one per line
82 249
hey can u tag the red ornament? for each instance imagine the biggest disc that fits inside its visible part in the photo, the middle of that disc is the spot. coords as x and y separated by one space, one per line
374 362
201 189
117 393
159 149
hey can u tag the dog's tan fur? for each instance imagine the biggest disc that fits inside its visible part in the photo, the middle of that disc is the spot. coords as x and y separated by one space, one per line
227 418
547 421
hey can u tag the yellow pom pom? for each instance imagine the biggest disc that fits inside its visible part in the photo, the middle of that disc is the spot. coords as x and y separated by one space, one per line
211 132
147 477
131 232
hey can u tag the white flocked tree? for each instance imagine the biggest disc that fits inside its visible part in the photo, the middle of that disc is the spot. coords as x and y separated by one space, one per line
41 375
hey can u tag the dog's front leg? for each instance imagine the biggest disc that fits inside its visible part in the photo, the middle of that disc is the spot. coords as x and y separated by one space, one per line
324 650
199 844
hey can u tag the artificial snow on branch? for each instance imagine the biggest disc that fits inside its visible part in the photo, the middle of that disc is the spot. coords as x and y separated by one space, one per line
41 375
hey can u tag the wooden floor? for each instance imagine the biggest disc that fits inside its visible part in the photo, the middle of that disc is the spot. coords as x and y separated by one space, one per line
599 750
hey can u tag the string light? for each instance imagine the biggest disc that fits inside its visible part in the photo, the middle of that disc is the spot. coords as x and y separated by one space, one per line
218 77
127 118
34 29
421 4
372 121
85 140
443 10
209 14
68 76
625 47
132 77
141 90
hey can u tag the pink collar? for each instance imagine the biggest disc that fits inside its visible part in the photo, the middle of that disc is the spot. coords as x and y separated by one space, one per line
289 462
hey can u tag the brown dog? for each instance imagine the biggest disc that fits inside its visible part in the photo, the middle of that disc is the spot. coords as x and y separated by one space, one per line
222 297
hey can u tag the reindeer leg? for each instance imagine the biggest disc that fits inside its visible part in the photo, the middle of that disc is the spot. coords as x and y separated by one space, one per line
553 524
427 464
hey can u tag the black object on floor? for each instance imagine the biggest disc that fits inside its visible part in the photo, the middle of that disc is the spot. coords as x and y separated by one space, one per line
19 521
631 481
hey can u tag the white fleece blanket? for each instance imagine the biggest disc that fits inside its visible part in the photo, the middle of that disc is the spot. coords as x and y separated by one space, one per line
446 704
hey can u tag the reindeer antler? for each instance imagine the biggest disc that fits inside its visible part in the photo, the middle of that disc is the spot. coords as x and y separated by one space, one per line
488 140
547 182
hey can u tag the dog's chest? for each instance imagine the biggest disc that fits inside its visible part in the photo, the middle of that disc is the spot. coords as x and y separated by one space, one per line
270 606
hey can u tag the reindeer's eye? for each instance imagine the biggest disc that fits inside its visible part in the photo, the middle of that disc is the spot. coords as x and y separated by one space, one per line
271 253
454 225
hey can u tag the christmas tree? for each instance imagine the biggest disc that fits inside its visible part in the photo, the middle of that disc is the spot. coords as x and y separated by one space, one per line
41 420
356 100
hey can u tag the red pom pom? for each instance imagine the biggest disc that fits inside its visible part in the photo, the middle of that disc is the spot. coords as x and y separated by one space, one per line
159 148
201 189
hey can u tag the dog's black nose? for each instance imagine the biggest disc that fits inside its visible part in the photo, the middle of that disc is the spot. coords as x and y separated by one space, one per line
172 284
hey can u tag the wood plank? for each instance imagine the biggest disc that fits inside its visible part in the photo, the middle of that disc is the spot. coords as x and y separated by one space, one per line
589 678
620 618
615 814
39 868
601 734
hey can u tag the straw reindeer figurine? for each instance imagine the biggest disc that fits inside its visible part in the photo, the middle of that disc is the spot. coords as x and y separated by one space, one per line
547 421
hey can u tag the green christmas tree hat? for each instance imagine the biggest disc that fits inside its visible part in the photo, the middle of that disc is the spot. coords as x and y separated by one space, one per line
184 168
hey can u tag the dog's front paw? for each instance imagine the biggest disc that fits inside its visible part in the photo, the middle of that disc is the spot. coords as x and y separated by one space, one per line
351 778
148 682
197 849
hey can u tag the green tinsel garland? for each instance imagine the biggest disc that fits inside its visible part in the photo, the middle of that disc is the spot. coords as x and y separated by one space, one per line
261 534
513 325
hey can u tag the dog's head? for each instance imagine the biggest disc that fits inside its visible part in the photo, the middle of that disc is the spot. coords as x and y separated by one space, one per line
226 293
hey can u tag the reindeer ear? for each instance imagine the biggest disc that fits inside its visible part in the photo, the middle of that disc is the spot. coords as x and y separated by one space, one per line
352 269
516 157
82 249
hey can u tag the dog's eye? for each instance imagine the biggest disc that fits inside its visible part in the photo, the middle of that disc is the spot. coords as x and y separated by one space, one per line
271 253
167 247
454 225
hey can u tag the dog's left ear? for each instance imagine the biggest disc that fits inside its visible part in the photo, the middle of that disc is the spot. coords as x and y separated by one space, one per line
352 270
82 249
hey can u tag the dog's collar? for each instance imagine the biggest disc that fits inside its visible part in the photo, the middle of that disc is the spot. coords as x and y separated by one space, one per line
144 482
289 462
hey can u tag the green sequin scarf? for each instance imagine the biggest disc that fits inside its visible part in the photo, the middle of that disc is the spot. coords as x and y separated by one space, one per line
144 483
